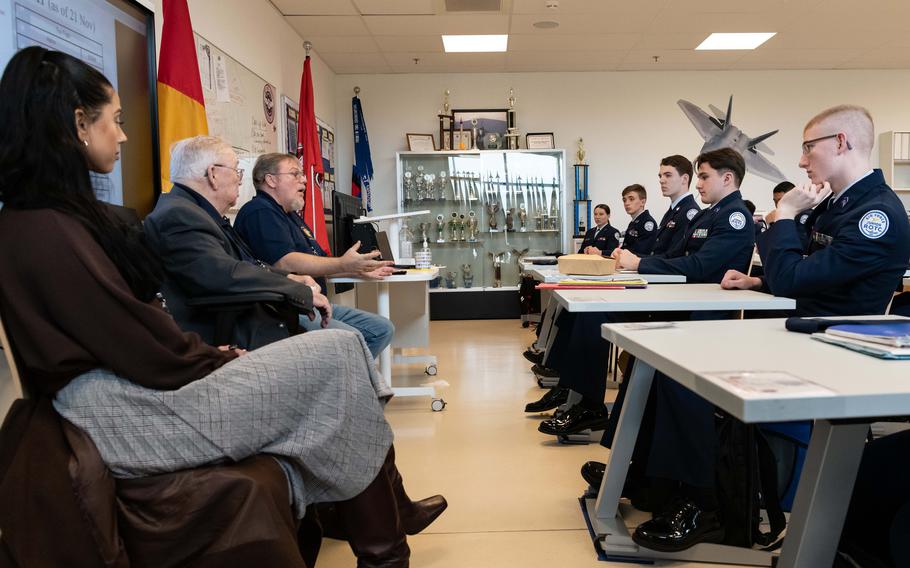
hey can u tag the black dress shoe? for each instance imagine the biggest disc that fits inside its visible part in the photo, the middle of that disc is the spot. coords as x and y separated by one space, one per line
545 371
553 398
533 356
682 527
575 420
593 472
419 514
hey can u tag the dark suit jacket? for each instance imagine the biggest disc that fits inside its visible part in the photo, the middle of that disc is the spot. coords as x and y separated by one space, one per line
201 261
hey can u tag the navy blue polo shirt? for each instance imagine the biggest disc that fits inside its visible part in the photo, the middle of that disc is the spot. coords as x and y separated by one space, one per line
273 233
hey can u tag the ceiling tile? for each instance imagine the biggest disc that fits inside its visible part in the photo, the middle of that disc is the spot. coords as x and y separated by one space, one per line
825 58
564 60
393 44
548 42
328 25
431 25
379 7
356 62
583 24
592 7
343 44
668 56
798 39
316 7
671 40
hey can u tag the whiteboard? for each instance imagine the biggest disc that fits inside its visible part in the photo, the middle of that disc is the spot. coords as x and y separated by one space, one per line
240 106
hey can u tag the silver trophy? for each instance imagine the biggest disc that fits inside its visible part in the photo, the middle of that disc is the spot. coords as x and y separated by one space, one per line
431 186
421 184
423 228
523 218
450 279
442 181
497 268
472 226
408 185
462 224
440 228
510 219
492 210
467 275
474 134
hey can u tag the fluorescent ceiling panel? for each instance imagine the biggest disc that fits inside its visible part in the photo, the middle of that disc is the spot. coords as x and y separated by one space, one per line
735 41
474 43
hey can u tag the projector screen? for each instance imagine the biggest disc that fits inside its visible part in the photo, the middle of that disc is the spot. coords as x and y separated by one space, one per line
117 37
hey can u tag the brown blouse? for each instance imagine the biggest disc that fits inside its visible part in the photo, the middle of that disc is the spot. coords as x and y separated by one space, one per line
67 310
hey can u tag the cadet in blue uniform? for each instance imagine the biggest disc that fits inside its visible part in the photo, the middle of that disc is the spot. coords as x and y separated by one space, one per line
801 218
862 221
603 237
640 234
269 223
675 176
578 349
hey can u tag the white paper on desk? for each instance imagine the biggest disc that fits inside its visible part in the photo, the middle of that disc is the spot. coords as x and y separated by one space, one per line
769 384
643 325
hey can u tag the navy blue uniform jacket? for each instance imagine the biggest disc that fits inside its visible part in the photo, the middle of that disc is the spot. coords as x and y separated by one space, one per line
858 250
674 224
718 239
640 234
607 239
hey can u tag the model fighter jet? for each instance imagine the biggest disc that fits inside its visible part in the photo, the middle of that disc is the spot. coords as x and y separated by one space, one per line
718 132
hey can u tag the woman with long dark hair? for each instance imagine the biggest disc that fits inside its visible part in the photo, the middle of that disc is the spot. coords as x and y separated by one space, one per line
78 298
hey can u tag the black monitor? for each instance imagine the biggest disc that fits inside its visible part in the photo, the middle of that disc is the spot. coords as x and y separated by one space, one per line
346 208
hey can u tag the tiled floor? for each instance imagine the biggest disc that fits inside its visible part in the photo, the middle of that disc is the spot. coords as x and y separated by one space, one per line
512 491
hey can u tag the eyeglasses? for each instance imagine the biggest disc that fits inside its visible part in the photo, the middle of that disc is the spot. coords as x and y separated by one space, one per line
297 174
238 171
809 144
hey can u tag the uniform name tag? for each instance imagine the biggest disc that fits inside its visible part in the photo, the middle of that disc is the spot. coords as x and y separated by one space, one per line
700 234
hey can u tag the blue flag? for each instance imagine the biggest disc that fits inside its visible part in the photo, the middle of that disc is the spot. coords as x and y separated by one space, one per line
363 162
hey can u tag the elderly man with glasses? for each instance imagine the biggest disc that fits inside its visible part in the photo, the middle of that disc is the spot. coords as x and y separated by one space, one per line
276 233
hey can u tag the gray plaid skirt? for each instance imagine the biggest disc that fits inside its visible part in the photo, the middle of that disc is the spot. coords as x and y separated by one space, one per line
313 400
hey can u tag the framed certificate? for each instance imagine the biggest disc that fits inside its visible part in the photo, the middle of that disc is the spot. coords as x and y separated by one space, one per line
421 143
539 141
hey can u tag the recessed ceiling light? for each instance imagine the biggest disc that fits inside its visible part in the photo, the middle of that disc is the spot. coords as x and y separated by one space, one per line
474 43
735 41
546 25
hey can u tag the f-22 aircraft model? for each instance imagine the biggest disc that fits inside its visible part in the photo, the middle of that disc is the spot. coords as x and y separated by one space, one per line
718 132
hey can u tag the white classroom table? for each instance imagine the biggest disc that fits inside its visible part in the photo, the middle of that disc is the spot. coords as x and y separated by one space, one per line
669 297
414 323
842 384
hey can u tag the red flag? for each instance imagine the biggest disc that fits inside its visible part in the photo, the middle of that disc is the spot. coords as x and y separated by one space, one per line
310 154
181 106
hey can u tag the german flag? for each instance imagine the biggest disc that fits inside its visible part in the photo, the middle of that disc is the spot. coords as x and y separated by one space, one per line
181 106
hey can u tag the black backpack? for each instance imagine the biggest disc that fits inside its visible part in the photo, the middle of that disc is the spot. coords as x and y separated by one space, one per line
746 481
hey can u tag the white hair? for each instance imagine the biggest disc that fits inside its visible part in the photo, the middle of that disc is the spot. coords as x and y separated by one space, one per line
191 157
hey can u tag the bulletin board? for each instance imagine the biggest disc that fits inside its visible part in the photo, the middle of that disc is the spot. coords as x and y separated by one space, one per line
241 107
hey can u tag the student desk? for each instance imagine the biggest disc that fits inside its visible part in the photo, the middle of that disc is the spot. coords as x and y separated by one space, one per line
552 275
827 390
669 298
411 319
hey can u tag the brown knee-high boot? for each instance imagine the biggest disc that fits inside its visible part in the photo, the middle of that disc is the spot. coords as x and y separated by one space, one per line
415 515
373 528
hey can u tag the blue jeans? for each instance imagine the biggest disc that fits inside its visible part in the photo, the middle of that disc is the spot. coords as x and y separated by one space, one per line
375 329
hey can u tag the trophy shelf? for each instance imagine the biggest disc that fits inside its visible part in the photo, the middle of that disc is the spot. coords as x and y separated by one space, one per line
478 194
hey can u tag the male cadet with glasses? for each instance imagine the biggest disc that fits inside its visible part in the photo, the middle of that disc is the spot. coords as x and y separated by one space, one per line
859 249
603 237
269 223
640 234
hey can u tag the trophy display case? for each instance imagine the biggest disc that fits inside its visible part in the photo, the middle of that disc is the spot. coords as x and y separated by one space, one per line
489 209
